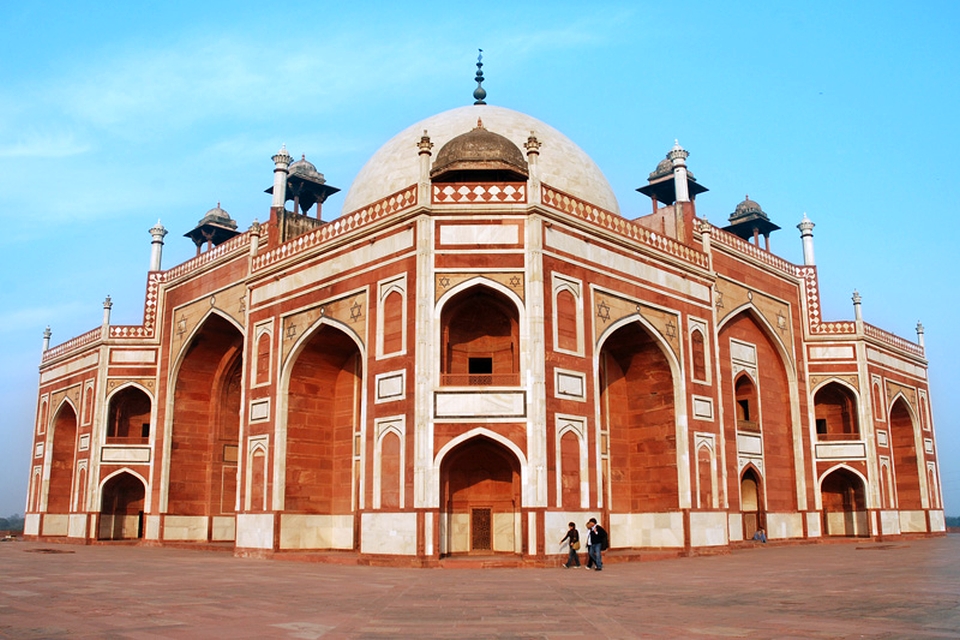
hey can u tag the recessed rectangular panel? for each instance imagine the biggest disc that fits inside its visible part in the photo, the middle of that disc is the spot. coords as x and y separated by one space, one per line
462 234
480 404
840 450
125 454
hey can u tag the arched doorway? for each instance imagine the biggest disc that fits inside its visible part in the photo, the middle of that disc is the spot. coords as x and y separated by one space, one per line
844 504
751 503
62 460
637 410
905 463
323 415
121 508
480 490
756 391
206 422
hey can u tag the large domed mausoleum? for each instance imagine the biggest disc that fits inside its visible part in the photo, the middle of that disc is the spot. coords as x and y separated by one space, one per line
480 349
562 163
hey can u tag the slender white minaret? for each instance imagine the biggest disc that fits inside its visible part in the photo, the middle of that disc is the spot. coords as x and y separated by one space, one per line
424 147
920 334
254 237
705 230
806 235
107 305
156 246
282 163
532 145
678 155
857 314
46 338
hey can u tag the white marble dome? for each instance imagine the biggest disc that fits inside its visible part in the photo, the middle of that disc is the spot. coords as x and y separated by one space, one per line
563 165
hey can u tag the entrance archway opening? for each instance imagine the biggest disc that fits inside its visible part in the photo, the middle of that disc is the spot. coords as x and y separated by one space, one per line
481 496
903 443
206 422
844 504
637 409
62 460
751 503
121 508
323 414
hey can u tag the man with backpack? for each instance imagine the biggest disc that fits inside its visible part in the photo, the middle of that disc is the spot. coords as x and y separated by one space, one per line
597 542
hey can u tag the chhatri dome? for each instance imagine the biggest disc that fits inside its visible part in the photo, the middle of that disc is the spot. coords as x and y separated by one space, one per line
562 164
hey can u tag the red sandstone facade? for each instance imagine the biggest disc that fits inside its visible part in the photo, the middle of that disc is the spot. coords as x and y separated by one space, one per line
470 361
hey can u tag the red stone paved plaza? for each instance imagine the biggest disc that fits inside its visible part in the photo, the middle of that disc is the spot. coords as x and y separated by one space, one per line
904 588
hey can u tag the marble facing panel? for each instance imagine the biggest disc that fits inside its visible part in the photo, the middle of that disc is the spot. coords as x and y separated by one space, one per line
185 528
479 404
784 525
708 529
255 530
389 533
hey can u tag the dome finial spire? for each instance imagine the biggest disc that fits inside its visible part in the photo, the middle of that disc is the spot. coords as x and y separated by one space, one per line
479 93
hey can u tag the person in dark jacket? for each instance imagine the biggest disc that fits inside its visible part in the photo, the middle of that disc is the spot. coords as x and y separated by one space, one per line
573 536
597 541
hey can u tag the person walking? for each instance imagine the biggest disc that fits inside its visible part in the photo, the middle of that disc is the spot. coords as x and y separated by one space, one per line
573 536
597 542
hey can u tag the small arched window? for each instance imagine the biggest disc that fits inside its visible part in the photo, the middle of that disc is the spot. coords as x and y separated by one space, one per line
836 413
128 416
748 415
481 340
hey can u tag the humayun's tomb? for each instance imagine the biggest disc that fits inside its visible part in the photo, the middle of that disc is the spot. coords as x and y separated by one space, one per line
480 349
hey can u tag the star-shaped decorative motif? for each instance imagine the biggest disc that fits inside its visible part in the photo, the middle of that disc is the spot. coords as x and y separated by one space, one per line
671 330
603 311
181 327
243 304
291 331
444 282
515 281
781 321
718 297
356 312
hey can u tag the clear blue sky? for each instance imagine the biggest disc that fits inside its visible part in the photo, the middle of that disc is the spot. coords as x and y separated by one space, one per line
113 117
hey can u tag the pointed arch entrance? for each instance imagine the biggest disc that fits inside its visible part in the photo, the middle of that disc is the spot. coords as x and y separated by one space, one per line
751 502
62 460
844 504
637 410
323 414
905 463
758 392
481 498
121 507
206 422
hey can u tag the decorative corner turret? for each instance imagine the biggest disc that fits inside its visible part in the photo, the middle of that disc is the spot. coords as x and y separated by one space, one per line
301 182
806 236
678 157
671 181
748 221
281 162
157 233
214 228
